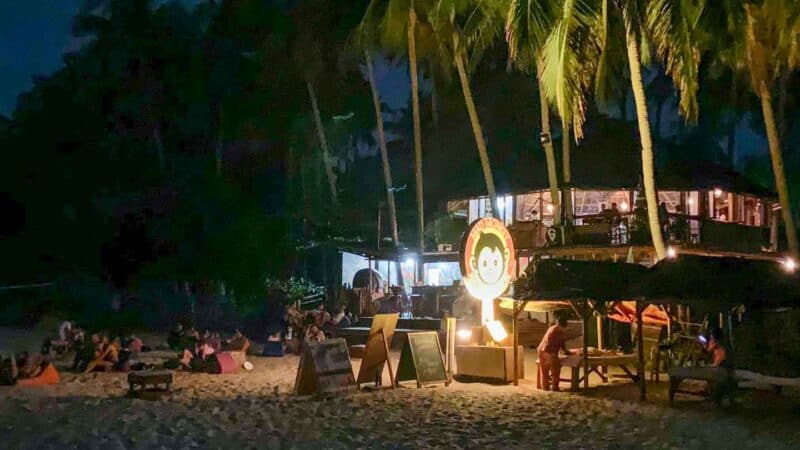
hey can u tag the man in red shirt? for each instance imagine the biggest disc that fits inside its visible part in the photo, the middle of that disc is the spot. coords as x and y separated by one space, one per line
554 340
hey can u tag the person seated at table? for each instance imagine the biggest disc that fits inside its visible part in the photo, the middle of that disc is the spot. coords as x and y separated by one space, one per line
202 360
719 356
554 340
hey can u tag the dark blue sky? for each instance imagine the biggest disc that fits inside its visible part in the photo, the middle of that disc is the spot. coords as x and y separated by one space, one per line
33 36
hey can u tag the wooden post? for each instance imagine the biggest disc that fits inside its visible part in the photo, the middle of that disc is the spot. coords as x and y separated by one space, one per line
388 360
640 350
515 340
586 314
600 343
451 346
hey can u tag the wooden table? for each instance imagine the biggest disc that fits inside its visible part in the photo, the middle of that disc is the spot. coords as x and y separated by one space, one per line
596 363
149 380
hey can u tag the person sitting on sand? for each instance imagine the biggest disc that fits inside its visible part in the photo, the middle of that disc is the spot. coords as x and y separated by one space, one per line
202 360
236 343
28 370
554 340
106 354
314 334
8 371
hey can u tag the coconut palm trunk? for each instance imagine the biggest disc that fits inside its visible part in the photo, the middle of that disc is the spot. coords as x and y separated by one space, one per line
550 157
778 169
566 173
477 131
648 172
412 63
387 172
323 141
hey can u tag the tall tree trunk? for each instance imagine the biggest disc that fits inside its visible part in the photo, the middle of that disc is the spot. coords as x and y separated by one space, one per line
566 173
781 118
162 161
323 142
434 100
387 172
477 131
550 157
778 170
648 172
412 65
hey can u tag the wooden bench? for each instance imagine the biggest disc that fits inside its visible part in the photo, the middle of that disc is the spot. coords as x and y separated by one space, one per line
149 383
723 382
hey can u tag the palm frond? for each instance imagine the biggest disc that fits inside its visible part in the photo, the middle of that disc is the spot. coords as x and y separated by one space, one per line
570 57
672 26
527 26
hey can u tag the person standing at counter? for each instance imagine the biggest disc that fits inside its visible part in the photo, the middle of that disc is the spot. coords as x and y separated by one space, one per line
554 340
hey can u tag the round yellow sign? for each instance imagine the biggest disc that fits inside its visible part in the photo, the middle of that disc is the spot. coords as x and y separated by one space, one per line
487 258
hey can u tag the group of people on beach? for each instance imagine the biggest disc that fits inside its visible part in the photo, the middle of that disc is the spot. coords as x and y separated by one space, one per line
313 325
199 352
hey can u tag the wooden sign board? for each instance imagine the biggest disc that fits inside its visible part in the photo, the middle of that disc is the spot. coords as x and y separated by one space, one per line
376 352
421 360
324 367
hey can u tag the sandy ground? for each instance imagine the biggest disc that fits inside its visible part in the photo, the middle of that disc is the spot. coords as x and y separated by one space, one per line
257 410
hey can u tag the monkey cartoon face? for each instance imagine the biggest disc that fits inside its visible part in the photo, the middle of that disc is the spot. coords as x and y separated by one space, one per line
489 259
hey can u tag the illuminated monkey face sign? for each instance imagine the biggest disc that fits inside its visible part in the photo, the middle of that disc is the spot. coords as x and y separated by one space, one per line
487 259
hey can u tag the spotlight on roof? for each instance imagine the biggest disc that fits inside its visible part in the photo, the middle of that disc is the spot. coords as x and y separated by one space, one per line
789 264
717 192
671 252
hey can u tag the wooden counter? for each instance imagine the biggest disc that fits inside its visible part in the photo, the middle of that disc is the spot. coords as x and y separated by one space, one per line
491 363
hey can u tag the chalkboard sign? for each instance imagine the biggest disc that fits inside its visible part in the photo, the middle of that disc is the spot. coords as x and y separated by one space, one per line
324 367
421 360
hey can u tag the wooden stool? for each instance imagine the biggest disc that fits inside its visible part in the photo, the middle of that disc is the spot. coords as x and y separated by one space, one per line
149 383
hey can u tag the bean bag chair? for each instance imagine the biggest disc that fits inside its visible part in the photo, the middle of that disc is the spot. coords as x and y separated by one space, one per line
273 348
48 376
227 364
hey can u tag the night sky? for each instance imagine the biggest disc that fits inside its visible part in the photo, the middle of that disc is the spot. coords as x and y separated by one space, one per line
35 33
33 36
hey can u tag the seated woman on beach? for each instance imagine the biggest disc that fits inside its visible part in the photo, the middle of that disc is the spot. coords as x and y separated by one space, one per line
202 360
106 354
314 334
28 370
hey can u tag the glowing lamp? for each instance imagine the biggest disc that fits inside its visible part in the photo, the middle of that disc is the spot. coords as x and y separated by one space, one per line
690 201
671 252
409 261
496 330
717 192
464 334
623 206
789 265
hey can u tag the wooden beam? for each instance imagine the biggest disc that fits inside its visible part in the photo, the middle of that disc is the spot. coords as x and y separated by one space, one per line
640 350
515 340
585 322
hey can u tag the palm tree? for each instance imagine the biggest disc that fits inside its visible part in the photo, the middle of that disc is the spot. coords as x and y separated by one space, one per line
771 34
579 51
399 26
466 31
528 23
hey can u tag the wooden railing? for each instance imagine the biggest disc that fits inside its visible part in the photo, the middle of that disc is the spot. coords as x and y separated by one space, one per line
677 228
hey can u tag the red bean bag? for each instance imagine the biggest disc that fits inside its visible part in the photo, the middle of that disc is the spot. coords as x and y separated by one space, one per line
227 363
48 376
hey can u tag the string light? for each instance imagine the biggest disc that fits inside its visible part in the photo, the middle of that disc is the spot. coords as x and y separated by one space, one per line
671 252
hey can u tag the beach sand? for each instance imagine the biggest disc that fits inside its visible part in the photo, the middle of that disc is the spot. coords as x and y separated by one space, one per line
258 410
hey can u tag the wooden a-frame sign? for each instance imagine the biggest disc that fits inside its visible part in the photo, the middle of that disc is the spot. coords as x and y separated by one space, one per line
324 367
421 360
376 352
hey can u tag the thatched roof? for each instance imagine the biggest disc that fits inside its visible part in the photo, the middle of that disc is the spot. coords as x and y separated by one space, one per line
556 279
720 283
